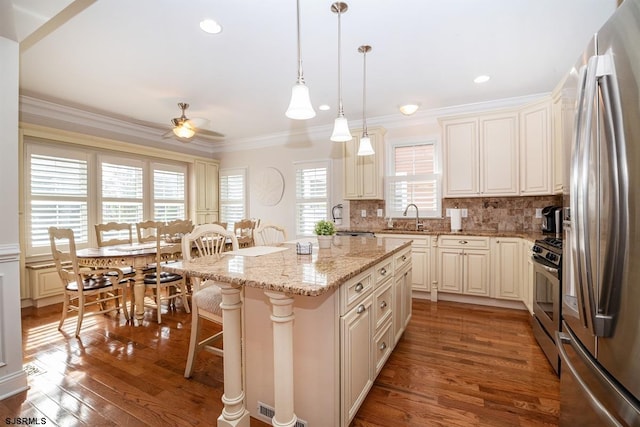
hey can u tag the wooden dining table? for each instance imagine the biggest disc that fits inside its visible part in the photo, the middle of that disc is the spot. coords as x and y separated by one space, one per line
137 256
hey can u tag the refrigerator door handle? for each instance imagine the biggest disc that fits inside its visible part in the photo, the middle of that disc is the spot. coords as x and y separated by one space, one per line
563 339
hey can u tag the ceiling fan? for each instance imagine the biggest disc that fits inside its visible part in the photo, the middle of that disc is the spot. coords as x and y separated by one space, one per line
185 129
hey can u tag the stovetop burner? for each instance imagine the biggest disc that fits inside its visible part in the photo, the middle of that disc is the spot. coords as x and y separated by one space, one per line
548 251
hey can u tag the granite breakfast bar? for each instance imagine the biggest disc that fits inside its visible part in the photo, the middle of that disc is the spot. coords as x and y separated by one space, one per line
335 318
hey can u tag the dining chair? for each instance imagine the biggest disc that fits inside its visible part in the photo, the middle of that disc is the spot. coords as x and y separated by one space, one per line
221 224
270 234
84 287
243 230
146 231
184 222
167 286
114 234
206 240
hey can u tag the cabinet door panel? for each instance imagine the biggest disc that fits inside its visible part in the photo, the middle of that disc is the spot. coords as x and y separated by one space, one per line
450 270
461 158
508 262
476 271
535 150
499 148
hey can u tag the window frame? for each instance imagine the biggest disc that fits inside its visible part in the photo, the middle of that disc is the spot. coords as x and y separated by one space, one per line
437 175
238 171
312 164
94 156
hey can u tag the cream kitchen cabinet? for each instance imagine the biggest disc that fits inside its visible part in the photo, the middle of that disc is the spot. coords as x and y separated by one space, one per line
206 191
562 113
363 175
507 268
401 293
481 155
464 265
422 265
528 275
536 166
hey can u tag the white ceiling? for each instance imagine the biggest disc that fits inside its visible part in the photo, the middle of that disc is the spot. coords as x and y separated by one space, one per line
138 59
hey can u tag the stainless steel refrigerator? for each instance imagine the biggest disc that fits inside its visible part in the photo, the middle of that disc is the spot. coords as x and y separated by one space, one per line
599 345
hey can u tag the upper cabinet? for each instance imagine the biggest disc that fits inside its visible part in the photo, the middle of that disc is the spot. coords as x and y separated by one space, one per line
364 175
536 167
481 155
501 153
206 190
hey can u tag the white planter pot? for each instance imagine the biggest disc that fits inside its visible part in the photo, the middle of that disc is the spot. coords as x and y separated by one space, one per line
324 242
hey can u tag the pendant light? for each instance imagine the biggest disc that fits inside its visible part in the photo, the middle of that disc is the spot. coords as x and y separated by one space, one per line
365 148
341 131
300 107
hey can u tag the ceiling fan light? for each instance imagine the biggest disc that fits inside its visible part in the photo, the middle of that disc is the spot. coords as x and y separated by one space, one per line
341 131
300 107
365 148
185 130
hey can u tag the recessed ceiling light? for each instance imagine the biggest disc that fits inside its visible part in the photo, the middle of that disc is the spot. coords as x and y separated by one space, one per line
324 107
481 79
210 26
409 109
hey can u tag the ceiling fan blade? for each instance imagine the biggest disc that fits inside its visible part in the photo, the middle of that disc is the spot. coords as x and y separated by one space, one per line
211 134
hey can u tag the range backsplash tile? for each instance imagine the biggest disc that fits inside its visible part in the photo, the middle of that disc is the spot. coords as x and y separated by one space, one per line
484 214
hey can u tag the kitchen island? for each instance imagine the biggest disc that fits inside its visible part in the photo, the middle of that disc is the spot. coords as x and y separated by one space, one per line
336 315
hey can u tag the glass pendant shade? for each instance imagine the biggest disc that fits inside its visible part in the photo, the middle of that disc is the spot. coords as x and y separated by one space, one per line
185 130
341 132
300 107
365 148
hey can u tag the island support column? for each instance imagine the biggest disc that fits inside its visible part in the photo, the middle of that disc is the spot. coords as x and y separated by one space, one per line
282 317
234 413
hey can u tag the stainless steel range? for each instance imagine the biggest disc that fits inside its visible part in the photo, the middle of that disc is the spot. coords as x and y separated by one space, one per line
547 299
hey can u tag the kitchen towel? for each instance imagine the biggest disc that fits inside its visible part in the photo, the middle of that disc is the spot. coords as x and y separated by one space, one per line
456 219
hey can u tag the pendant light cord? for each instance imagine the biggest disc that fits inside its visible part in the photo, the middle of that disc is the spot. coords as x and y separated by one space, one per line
300 75
364 94
340 110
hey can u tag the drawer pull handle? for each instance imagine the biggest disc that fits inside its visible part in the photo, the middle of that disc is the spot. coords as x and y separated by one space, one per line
361 309
462 242
383 346
404 258
383 305
359 287
383 271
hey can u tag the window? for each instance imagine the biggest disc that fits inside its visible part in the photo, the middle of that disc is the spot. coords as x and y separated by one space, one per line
76 188
121 190
413 178
312 195
57 195
168 192
232 196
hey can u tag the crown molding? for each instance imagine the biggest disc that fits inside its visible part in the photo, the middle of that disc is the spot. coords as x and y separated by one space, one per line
52 114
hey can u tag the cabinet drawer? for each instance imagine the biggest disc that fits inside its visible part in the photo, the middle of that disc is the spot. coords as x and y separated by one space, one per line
382 346
462 242
402 259
383 271
353 291
382 304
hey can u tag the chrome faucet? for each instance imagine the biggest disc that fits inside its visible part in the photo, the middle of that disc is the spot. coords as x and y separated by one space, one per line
419 225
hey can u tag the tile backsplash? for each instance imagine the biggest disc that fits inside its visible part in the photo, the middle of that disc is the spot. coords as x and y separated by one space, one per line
484 214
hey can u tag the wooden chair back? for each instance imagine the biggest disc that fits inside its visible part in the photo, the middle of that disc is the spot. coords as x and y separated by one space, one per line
243 230
114 233
270 234
207 240
63 249
147 231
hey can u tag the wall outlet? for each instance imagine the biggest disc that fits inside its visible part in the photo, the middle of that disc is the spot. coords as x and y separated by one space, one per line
363 213
380 213
465 213
538 212
448 213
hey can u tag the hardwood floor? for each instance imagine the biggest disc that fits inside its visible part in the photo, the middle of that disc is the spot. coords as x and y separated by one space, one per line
456 365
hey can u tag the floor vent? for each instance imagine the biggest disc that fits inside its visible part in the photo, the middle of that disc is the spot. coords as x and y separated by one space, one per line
266 412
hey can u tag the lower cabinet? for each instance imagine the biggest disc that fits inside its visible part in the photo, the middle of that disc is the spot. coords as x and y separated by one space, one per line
356 332
507 271
464 265
528 276
422 275
377 307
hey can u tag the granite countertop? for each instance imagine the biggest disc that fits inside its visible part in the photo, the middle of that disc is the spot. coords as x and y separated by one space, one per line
286 271
528 235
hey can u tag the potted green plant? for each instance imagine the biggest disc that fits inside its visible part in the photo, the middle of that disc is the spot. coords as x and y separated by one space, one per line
325 231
